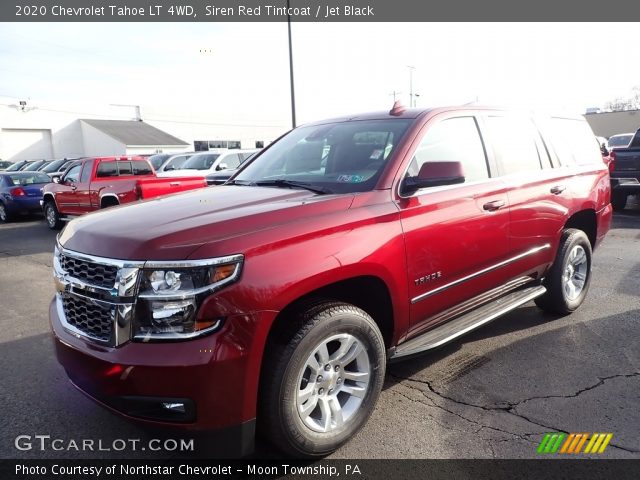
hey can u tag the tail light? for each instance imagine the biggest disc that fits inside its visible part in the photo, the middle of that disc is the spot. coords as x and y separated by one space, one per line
18 192
612 161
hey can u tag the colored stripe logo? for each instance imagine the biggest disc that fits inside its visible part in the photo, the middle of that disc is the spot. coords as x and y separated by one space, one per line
573 443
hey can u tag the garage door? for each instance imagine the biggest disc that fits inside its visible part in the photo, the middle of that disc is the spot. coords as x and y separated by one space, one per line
25 144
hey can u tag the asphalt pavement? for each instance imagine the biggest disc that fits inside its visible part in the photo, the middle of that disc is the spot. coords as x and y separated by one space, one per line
491 394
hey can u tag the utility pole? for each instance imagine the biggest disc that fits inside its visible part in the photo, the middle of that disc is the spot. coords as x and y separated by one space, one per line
394 94
411 69
293 93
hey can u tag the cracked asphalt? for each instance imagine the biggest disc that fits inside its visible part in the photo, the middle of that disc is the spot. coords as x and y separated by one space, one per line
491 394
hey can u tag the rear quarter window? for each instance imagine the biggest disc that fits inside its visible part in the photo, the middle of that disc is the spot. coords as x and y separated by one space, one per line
572 141
141 167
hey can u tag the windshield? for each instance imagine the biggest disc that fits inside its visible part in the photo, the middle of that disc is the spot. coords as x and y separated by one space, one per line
201 161
340 157
54 166
36 177
176 163
620 140
15 166
158 160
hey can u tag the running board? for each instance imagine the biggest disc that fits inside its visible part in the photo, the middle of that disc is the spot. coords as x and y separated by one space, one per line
467 322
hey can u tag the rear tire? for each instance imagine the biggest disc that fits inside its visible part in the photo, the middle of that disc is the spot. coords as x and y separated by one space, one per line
321 379
52 216
619 201
5 216
568 280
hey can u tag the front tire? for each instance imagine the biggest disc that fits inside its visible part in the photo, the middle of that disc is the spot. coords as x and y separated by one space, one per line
52 216
568 280
321 379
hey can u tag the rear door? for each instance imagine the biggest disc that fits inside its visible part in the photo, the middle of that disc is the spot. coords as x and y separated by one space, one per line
539 193
456 236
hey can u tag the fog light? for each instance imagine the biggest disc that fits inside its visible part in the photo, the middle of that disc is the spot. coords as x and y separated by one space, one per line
174 407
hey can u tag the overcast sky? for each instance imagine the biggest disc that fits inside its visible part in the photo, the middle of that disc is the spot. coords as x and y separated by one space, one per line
238 73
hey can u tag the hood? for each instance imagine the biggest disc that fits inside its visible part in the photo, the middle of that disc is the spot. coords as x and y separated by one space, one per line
173 227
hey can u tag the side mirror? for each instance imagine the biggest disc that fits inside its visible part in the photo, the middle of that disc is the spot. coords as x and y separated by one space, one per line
55 179
222 166
434 174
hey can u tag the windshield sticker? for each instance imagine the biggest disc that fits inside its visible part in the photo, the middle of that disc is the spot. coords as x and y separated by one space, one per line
350 178
376 154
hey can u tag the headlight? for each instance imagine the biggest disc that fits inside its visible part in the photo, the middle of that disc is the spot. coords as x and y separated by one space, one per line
171 294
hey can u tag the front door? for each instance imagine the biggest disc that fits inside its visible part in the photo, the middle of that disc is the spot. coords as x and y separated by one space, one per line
456 236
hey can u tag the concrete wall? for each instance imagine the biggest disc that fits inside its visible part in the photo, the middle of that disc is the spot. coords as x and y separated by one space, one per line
612 123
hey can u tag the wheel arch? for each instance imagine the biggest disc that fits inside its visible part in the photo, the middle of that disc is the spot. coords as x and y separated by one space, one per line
585 220
109 200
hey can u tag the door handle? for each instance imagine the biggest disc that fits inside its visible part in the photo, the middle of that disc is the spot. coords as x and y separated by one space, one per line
558 189
494 205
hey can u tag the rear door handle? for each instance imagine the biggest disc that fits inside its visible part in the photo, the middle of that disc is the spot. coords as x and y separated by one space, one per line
558 189
494 205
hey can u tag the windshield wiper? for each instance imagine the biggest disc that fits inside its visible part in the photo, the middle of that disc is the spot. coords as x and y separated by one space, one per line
281 182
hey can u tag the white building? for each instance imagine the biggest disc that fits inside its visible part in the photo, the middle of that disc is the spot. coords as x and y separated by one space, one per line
29 131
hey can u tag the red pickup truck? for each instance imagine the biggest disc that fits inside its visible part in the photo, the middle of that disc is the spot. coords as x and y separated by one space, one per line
278 298
100 182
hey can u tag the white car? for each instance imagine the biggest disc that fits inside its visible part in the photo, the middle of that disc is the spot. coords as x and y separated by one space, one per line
205 163
621 140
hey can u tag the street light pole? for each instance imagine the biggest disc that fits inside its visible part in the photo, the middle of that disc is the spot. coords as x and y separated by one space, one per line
293 93
411 68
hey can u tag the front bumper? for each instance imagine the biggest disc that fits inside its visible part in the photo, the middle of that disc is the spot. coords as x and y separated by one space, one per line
214 377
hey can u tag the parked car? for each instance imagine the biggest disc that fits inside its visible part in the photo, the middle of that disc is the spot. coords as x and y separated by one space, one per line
204 163
57 167
621 140
94 183
19 165
20 193
279 297
4 165
174 162
624 168
220 177
158 159
34 166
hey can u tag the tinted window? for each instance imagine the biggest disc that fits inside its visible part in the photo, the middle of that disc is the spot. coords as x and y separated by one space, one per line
124 168
53 166
86 172
107 169
514 143
141 167
573 142
73 174
34 166
619 141
453 140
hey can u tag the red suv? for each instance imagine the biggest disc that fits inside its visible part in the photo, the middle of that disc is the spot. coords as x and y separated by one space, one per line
278 298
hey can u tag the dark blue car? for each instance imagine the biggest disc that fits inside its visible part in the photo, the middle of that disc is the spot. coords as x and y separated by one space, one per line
20 193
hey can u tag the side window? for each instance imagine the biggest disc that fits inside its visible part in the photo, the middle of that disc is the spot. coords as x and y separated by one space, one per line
73 175
124 168
514 143
573 142
107 169
453 140
141 167
86 172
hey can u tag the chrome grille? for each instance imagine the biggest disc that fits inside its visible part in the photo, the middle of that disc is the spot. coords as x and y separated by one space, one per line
89 272
93 319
